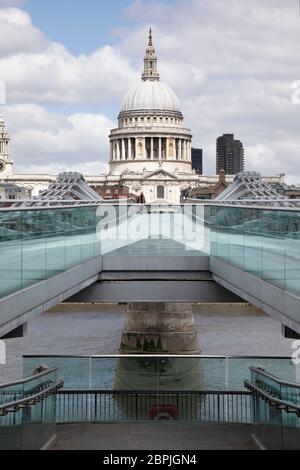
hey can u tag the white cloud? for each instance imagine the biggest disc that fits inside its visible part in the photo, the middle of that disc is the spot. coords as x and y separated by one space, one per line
46 142
40 71
18 35
55 76
231 63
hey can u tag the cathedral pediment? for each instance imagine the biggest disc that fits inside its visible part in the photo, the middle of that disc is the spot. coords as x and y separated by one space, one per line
160 175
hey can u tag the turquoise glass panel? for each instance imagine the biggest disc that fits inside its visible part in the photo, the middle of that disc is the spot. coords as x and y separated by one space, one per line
253 242
34 235
262 242
38 244
55 241
292 253
10 252
273 229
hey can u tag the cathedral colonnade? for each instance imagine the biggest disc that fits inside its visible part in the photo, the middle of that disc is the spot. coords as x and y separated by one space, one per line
150 148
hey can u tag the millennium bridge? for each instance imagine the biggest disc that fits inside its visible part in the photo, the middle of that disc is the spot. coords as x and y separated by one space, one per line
70 246
139 253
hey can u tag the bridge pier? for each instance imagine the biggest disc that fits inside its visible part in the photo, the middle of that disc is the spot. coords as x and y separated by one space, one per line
159 328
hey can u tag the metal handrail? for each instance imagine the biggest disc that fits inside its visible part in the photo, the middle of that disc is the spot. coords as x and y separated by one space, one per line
238 201
15 406
242 201
258 204
28 379
272 400
255 204
75 406
274 378
58 204
153 392
156 356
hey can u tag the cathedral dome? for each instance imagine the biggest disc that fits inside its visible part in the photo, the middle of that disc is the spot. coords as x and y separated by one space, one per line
150 95
150 142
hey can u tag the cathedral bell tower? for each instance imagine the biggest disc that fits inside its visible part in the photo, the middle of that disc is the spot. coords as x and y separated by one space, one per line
6 165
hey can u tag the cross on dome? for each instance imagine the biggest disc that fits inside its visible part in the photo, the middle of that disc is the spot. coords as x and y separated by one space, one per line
150 43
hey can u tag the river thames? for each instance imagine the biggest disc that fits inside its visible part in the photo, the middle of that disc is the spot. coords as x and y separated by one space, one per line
96 330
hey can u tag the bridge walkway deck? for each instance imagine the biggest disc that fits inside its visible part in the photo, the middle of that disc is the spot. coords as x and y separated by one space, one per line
154 436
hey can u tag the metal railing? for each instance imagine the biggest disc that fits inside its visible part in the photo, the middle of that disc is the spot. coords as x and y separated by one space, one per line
9 396
276 410
27 379
274 378
271 399
74 406
31 400
39 204
14 413
284 390
19 394
279 204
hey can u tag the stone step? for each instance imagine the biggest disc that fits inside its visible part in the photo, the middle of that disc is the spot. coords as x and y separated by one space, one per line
155 276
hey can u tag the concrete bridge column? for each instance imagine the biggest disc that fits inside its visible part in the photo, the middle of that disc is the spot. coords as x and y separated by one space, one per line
158 328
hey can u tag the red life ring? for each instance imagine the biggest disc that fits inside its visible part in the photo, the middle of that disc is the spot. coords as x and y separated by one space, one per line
163 412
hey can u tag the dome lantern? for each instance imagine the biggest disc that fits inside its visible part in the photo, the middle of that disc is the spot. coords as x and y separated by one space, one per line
151 94
150 61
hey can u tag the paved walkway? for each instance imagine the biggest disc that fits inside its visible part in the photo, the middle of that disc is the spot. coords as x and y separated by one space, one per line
153 436
156 247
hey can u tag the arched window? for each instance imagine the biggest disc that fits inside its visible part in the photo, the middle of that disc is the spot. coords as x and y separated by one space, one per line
160 192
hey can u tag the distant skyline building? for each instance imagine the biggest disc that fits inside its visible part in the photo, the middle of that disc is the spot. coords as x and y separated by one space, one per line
197 161
230 155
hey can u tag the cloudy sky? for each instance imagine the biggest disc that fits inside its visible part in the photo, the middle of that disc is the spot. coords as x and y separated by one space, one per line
67 64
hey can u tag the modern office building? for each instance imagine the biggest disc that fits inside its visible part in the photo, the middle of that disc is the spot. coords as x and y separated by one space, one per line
197 161
230 155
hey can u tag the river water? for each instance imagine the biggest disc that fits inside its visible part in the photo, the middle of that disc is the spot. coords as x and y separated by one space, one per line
96 330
